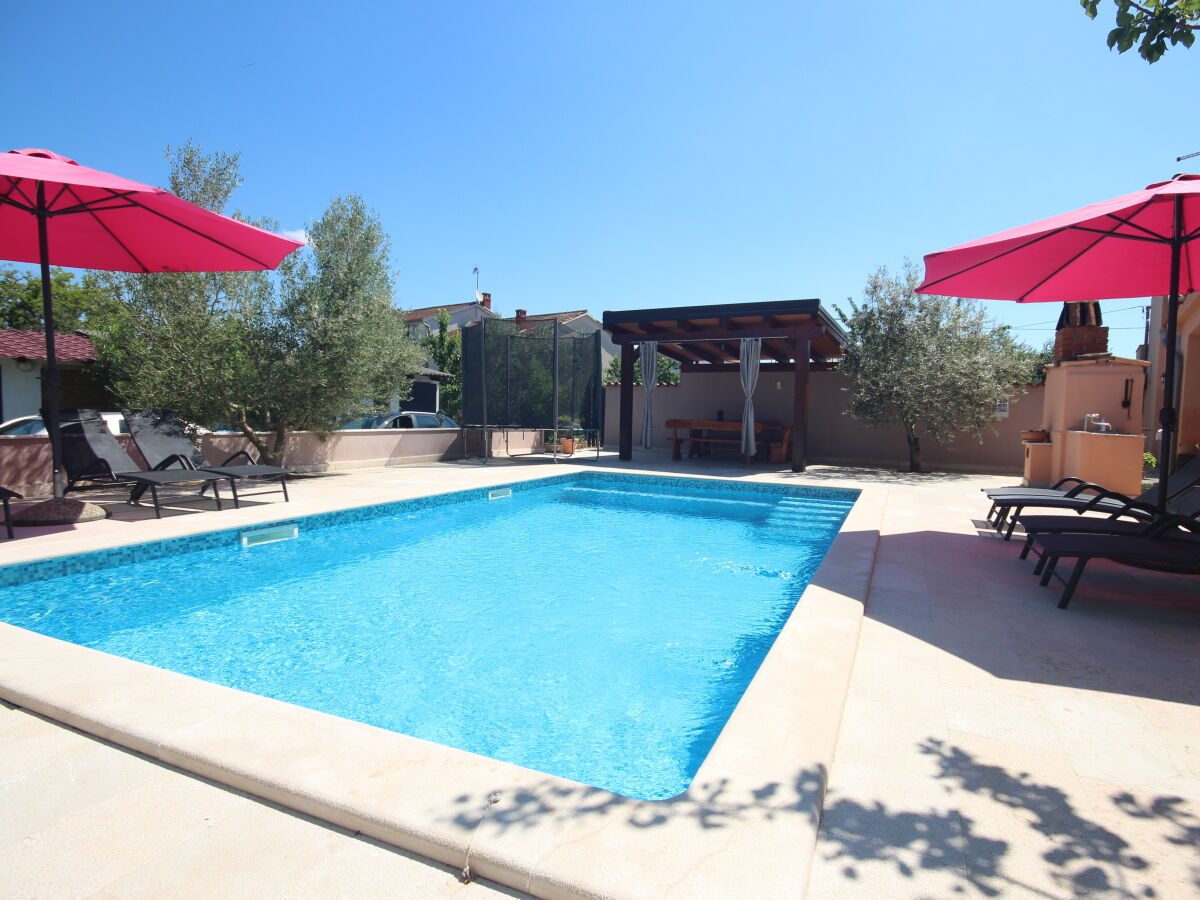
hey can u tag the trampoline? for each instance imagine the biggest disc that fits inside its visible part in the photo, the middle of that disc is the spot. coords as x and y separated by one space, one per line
533 379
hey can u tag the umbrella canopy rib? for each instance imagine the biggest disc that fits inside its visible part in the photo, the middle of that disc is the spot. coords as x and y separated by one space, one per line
984 262
207 237
104 225
1023 298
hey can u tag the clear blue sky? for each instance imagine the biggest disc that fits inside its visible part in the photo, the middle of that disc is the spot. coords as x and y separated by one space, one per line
616 155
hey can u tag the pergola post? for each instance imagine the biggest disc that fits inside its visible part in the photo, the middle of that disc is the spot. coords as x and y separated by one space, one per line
800 353
625 416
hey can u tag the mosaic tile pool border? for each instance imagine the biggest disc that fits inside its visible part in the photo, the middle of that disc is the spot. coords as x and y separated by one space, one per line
41 570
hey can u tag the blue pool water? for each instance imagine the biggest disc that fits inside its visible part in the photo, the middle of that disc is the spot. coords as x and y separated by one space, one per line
595 627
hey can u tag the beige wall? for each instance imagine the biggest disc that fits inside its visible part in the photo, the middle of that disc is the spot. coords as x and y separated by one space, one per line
25 461
833 436
1074 389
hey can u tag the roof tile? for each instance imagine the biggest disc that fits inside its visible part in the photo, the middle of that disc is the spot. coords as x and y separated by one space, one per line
72 347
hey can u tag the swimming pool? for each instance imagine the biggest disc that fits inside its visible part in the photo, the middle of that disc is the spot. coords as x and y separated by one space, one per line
597 627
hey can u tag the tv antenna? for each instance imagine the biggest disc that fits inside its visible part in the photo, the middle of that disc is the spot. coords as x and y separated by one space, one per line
1187 156
476 272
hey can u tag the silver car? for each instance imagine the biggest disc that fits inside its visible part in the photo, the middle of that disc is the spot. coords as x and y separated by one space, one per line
407 419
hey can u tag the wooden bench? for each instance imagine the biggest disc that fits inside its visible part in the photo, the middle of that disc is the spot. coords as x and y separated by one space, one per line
695 433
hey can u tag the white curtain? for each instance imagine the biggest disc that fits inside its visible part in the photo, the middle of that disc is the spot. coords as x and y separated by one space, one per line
751 351
649 360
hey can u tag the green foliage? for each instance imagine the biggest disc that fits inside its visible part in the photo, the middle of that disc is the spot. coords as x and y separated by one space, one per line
78 304
316 345
1149 461
932 365
668 371
445 350
1150 24
1036 362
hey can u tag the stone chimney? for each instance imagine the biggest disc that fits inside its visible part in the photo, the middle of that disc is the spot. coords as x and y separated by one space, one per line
1080 332
522 322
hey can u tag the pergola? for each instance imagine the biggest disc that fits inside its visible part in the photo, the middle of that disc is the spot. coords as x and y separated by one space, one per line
797 336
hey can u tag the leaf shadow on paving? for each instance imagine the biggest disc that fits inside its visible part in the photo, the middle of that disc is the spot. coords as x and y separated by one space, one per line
710 804
1080 857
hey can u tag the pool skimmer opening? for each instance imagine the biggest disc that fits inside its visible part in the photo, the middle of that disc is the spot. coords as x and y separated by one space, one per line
500 494
271 535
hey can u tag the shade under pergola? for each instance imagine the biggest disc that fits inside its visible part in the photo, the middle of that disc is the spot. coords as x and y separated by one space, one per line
797 336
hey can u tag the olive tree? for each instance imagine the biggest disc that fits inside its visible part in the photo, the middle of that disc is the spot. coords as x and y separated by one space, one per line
932 365
445 352
269 355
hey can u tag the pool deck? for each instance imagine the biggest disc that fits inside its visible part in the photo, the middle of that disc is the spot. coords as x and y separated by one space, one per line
990 745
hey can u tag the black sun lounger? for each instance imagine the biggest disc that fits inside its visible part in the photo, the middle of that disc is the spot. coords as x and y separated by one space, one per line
5 496
1173 545
1073 494
1186 505
91 453
162 440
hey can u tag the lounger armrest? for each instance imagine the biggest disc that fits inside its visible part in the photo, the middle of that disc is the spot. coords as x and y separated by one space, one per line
1063 482
250 459
1086 486
183 461
1108 495
1168 523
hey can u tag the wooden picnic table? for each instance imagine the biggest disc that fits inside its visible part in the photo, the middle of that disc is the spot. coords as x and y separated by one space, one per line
695 432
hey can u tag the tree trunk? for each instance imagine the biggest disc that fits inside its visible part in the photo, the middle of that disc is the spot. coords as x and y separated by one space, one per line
275 457
252 436
914 448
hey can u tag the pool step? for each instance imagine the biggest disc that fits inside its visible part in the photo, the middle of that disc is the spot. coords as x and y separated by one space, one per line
792 513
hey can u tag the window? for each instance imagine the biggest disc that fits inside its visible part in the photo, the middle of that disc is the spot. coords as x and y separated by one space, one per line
1001 411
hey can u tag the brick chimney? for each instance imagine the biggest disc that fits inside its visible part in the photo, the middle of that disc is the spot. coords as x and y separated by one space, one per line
522 322
1080 331
486 299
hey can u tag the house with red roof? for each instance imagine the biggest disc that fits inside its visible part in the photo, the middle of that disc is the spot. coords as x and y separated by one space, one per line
22 359
576 321
424 322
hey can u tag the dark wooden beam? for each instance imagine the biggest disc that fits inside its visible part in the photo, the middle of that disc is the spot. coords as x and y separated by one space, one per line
625 416
800 351
763 367
715 334
779 350
680 352
705 352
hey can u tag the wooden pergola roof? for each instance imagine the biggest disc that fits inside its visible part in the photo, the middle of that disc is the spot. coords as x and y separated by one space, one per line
707 338
797 336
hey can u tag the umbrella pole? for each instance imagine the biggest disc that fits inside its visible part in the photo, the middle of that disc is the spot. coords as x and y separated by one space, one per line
1167 415
51 379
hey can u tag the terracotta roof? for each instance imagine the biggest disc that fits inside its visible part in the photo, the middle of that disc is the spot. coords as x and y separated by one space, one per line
428 312
32 345
561 316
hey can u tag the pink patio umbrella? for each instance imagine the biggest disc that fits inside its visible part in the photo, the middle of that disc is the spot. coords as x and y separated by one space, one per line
1141 244
54 211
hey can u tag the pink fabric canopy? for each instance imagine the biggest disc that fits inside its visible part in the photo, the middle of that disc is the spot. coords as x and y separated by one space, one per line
1118 248
102 221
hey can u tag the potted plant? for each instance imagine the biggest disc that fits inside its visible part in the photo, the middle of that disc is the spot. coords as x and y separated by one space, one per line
1035 436
567 443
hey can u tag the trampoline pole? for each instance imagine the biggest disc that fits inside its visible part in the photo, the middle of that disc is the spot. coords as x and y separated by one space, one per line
483 388
599 399
554 383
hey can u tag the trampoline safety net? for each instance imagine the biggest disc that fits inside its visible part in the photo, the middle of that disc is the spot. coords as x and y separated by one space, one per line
509 378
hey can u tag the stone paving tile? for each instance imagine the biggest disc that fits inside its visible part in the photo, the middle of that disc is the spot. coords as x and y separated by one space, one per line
1064 764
